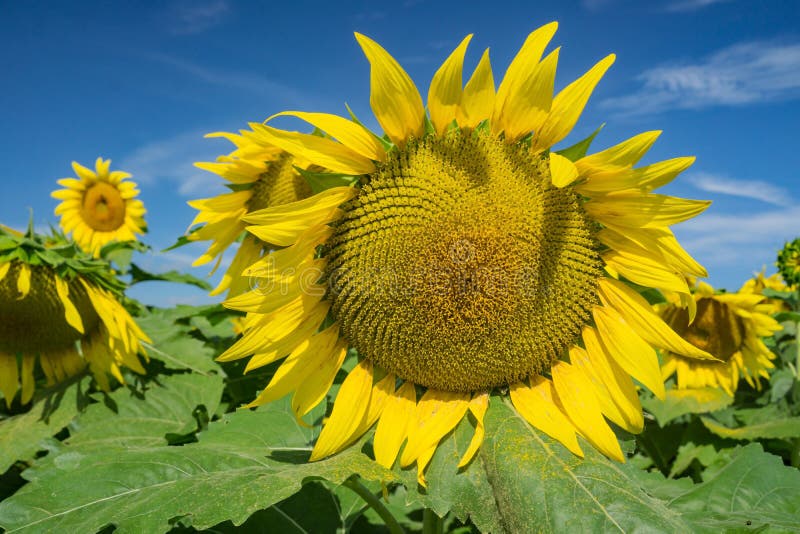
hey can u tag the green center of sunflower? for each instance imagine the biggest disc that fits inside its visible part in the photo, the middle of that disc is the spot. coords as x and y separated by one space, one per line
103 207
460 268
36 323
279 184
716 328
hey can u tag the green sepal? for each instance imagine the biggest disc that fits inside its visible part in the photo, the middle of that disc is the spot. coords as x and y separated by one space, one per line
240 187
322 181
140 275
183 240
579 149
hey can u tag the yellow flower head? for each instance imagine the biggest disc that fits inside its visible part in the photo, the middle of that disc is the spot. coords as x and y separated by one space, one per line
469 259
99 206
261 176
59 308
760 282
729 326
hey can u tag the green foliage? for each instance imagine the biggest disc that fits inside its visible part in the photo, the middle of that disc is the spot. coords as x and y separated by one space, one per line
140 275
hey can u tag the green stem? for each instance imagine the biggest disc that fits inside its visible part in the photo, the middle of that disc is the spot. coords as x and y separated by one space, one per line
431 523
375 503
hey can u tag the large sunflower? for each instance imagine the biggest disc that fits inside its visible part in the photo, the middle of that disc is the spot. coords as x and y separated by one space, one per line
728 326
99 206
261 176
470 259
60 308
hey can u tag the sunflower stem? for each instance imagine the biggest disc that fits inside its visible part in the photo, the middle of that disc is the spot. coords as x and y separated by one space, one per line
431 523
375 503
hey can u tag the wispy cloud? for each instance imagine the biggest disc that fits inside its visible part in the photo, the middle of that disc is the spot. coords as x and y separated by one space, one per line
753 189
741 74
186 17
720 241
692 5
172 160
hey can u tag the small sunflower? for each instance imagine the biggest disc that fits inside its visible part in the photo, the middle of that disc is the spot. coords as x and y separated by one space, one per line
728 326
60 308
99 206
789 263
469 260
261 176
760 282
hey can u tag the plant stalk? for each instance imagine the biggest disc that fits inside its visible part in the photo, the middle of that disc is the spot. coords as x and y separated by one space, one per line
431 523
374 503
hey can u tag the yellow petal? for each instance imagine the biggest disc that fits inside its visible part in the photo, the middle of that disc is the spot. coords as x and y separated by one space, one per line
321 151
575 392
70 311
444 95
422 463
639 315
562 171
477 100
349 410
652 239
28 382
629 350
644 179
377 401
4 268
23 280
522 67
621 156
612 381
568 106
9 377
316 386
645 270
398 413
352 135
438 412
477 406
643 210
529 100
83 172
393 96
539 405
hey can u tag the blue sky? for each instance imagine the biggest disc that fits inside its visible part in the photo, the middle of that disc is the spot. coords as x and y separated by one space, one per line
142 82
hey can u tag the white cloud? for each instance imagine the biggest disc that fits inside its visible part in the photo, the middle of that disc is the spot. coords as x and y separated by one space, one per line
189 17
692 5
173 160
738 75
753 189
725 241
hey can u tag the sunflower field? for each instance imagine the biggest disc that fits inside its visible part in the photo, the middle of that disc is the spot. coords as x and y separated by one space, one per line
458 323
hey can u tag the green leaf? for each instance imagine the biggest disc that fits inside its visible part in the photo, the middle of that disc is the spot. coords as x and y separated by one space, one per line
129 419
173 345
754 491
705 455
140 275
579 149
786 428
680 402
526 482
788 316
21 435
246 462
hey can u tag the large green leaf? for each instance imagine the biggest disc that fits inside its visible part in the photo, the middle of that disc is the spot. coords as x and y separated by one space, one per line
173 345
21 435
753 492
127 418
680 402
785 428
523 481
247 461
140 275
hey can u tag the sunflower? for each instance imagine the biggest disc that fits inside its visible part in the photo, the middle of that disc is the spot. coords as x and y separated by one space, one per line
261 176
760 282
60 308
99 206
789 263
728 326
469 260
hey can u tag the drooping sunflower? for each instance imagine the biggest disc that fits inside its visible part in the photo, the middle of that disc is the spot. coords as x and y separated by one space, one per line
99 206
60 308
469 260
261 176
760 282
728 326
789 263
